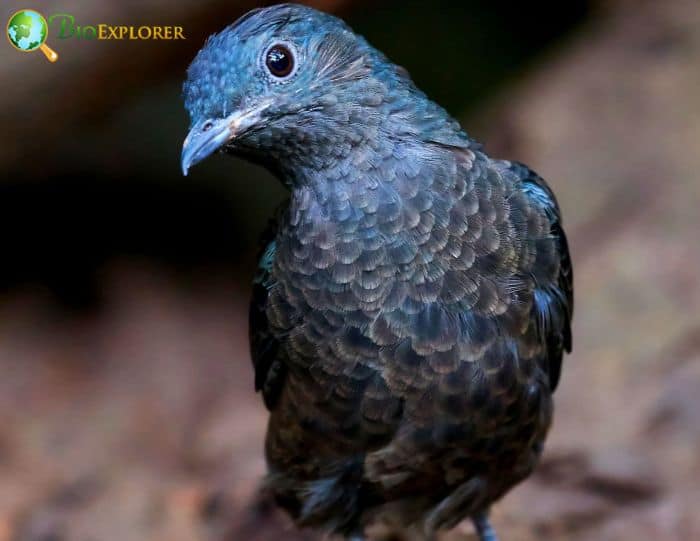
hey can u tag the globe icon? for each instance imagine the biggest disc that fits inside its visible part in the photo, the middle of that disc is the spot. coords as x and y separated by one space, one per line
27 31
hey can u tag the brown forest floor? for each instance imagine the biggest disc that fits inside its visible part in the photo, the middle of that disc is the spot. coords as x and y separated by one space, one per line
142 424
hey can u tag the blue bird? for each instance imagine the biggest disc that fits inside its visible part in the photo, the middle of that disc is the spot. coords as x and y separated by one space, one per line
414 296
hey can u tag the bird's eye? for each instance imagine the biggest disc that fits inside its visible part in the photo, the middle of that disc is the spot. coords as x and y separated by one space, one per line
279 60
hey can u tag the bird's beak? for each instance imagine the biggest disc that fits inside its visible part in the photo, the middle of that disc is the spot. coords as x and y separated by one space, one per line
208 136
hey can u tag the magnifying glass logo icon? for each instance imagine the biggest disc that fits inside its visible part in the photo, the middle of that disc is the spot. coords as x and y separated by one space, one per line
27 31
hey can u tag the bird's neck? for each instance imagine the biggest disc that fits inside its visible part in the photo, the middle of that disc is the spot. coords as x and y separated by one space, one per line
377 191
367 164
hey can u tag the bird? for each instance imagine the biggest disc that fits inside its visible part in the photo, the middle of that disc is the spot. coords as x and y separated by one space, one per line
413 298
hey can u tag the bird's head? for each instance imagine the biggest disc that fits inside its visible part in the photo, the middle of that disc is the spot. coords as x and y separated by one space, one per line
282 83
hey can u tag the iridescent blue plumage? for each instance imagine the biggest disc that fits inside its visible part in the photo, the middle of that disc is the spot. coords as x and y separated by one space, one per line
413 300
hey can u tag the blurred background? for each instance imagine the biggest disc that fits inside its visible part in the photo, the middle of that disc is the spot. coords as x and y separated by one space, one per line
126 402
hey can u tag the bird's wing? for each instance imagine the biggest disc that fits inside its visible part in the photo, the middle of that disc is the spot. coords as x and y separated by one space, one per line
554 301
463 365
270 369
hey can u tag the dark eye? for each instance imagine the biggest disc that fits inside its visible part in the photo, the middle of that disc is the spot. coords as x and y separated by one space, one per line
279 60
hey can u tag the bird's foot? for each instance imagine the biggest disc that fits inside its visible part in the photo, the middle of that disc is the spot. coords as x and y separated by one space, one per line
484 528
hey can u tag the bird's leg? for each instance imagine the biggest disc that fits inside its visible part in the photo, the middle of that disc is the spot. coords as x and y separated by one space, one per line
484 528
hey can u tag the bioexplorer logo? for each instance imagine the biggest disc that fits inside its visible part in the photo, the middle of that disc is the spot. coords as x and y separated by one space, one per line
27 31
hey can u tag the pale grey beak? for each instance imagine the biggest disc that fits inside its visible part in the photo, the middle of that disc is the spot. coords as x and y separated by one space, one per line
210 135
203 140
